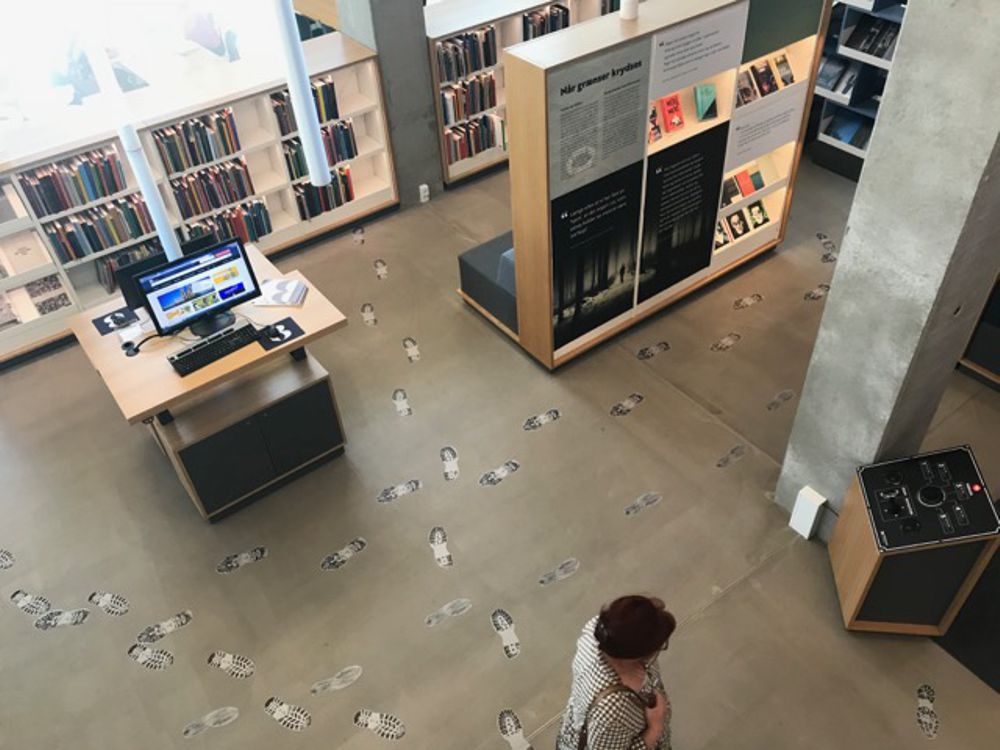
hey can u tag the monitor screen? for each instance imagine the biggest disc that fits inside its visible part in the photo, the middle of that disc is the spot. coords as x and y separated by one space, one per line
197 285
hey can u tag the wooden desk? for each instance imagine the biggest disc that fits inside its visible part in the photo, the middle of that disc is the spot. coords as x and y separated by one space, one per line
244 424
146 385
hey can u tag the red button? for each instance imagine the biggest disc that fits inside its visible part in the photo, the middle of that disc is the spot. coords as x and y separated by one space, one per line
976 488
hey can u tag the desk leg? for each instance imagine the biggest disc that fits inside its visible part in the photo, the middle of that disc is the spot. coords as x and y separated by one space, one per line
299 354
165 417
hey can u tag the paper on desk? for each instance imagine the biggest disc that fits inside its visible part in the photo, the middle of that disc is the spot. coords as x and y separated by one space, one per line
282 293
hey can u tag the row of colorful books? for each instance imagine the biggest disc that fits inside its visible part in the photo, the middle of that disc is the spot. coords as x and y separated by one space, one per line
312 201
462 55
324 94
760 80
249 221
338 140
473 137
459 101
107 266
536 23
73 182
215 187
198 140
97 229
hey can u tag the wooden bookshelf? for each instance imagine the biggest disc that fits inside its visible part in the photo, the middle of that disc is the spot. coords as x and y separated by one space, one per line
450 18
246 89
634 271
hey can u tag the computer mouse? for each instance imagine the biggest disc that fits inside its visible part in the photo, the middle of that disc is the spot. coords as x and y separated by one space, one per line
270 332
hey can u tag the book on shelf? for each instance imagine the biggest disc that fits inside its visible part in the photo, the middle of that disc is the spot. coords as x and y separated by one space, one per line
764 78
198 140
464 54
213 187
671 112
705 102
730 192
844 126
338 141
745 183
830 71
69 183
655 124
722 237
746 90
874 36
324 94
460 101
48 295
845 85
470 138
312 201
24 256
737 224
862 136
784 70
8 316
96 229
536 23
107 266
249 221
610 6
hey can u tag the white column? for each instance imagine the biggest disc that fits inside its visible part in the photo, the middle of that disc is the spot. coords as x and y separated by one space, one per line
300 92
150 192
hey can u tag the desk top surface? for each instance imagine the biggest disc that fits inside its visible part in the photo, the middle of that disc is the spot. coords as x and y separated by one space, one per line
147 384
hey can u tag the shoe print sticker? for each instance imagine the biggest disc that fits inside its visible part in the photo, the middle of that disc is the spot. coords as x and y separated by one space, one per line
781 397
232 563
927 718
401 402
151 658
726 342
340 558
562 571
744 302
454 608
645 500
220 717
368 314
57 618
816 293
386 726
358 235
540 420
291 717
511 730
497 475
110 604
234 665
31 604
343 679
411 349
391 494
381 269
6 559
503 624
648 352
159 630
449 460
830 252
438 540
624 408
735 454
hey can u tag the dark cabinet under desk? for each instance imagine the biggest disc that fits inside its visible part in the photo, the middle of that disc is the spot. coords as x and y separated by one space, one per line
244 438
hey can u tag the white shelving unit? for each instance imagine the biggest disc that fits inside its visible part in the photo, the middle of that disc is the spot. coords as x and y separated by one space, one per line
450 18
25 252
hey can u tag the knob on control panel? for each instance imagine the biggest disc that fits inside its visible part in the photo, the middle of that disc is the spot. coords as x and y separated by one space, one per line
930 496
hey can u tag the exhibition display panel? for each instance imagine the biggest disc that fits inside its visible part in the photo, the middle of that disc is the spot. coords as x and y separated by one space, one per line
649 157
226 158
466 39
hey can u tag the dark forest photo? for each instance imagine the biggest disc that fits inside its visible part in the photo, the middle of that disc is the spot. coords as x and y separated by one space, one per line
594 234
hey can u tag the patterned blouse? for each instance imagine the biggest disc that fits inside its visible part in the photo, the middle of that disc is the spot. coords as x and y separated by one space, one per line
617 722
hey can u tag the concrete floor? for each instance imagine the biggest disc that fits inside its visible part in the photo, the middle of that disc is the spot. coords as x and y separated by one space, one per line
759 661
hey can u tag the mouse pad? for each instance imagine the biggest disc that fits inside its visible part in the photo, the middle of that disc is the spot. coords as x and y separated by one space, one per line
111 322
283 331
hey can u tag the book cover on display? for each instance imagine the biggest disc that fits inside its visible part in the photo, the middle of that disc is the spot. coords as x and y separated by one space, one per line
24 257
758 215
746 90
745 183
860 139
886 42
8 317
705 101
738 224
866 34
757 179
830 71
763 76
721 234
730 192
670 110
655 124
784 70
850 77
843 126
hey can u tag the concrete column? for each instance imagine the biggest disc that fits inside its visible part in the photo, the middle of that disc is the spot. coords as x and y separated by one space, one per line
395 29
919 256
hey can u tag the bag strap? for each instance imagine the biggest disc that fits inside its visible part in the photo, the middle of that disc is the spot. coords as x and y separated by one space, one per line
618 687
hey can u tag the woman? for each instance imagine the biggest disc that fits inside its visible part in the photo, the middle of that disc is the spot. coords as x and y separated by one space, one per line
617 701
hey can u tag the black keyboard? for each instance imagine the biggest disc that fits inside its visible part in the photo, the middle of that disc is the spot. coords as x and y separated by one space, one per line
212 348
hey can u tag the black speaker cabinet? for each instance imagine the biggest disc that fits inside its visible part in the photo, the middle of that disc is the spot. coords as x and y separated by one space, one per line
913 537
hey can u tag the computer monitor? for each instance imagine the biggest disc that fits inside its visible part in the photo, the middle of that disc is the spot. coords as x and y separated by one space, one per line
198 290
125 276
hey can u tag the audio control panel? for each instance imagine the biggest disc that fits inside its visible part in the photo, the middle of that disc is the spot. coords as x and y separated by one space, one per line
928 499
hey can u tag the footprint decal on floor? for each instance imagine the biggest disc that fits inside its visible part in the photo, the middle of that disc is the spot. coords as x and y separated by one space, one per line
381 269
438 540
343 679
927 718
151 658
31 604
830 253
57 618
391 494
735 454
744 302
645 500
454 608
110 604
6 559
497 475
232 563
340 558
781 397
368 314
220 717
503 624
401 402
159 630
624 408
234 665
540 420
291 717
449 461
816 293
562 571
648 352
386 726
726 343
512 731
358 235
411 349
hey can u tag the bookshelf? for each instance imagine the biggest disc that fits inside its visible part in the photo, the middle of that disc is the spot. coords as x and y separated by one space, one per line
857 58
667 159
451 19
245 183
